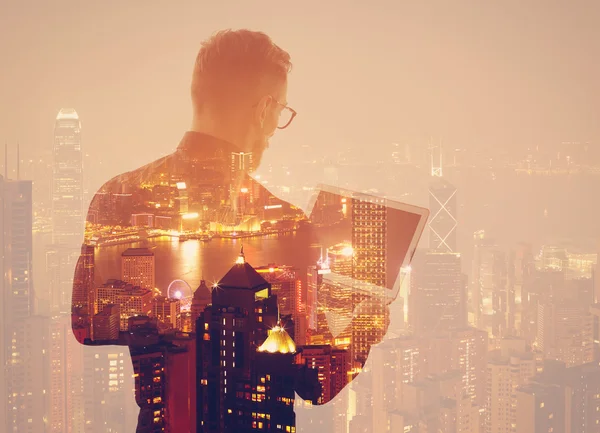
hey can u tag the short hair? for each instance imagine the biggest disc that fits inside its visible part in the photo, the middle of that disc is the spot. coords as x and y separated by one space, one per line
234 65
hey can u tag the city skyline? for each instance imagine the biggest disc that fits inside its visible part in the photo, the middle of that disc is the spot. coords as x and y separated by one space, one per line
204 298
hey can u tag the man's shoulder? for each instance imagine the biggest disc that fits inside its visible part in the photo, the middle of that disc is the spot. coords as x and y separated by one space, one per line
131 180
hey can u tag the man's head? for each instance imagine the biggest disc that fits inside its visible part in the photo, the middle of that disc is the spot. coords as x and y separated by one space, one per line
239 89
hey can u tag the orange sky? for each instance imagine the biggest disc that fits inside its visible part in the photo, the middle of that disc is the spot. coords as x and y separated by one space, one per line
504 73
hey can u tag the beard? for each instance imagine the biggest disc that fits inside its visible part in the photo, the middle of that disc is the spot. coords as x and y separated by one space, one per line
259 147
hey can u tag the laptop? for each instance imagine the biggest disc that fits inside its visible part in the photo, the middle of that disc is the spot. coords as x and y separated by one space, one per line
364 224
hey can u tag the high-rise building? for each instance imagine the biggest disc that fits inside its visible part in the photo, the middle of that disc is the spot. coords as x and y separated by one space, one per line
138 267
291 296
16 283
67 180
521 270
565 332
83 281
16 221
438 298
369 217
464 350
246 367
507 369
489 286
443 221
540 408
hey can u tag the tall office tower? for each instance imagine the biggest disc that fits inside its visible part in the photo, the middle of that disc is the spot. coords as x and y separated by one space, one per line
165 381
333 366
83 281
369 265
508 368
489 295
233 376
138 267
291 296
67 180
314 281
443 207
28 381
396 363
595 312
16 284
108 384
241 193
521 269
438 298
443 222
464 350
334 298
565 332
16 219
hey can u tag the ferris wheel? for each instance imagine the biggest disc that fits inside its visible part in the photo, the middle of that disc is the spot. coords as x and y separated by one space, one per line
181 290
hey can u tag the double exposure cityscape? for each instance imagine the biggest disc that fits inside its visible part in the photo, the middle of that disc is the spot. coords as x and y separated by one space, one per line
416 286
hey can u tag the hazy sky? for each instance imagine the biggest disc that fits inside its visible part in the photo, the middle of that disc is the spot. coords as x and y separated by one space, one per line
502 73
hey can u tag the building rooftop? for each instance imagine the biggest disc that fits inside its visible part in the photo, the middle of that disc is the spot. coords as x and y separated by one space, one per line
243 276
137 252
278 341
202 293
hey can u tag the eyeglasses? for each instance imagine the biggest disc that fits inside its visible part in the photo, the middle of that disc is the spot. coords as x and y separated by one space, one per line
286 115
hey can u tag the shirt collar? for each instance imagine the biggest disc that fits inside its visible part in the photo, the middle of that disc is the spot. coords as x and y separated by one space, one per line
196 143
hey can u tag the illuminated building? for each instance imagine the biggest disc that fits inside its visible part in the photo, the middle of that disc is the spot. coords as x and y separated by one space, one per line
142 220
438 298
83 281
540 408
138 267
566 399
16 289
167 311
314 278
489 288
332 365
507 369
107 323
443 208
565 332
67 183
464 350
369 264
16 219
133 300
246 369
291 298
521 269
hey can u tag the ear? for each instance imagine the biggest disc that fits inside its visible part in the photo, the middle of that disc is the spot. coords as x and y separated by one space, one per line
262 107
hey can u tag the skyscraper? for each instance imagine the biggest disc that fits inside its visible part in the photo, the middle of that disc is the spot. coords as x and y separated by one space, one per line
67 180
246 379
16 242
67 205
369 265
16 301
438 298
443 208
